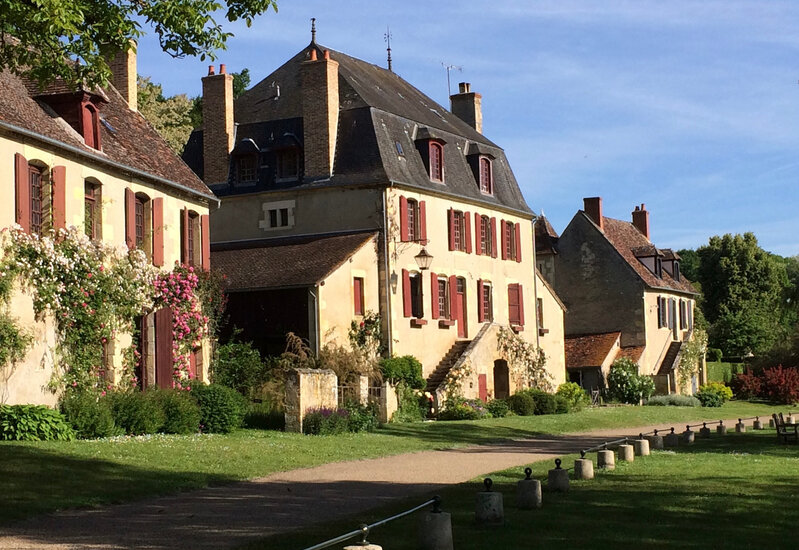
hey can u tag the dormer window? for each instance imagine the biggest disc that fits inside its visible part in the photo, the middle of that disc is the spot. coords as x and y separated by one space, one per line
436 161
90 125
676 273
486 176
246 169
658 267
288 164
431 150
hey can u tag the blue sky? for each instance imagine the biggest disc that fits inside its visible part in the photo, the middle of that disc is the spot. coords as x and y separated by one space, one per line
689 107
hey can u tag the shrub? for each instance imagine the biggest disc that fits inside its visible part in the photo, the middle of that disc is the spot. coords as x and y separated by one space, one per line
522 404
574 394
264 416
714 354
562 405
325 422
33 423
463 409
412 407
746 385
239 366
673 400
221 408
626 385
545 403
181 411
137 412
498 408
361 418
405 369
713 394
89 415
781 384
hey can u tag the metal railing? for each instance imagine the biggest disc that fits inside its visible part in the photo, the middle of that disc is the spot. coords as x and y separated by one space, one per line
364 530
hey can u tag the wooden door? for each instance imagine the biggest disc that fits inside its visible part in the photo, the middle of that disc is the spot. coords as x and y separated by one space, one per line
501 379
163 348
482 385
460 296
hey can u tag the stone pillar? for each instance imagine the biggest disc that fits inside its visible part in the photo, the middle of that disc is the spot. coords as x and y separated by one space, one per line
363 390
435 531
489 509
583 468
672 439
688 436
704 431
388 402
606 459
641 447
308 389
528 492
558 478
771 423
789 419
626 453
757 424
721 429
655 441
740 427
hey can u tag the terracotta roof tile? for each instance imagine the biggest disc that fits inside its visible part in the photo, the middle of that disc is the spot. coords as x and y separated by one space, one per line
632 353
589 350
546 238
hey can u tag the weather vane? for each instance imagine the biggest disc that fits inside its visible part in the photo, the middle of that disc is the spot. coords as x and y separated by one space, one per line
387 38
449 68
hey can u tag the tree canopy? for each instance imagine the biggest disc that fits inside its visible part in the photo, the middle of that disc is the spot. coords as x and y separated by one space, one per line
74 39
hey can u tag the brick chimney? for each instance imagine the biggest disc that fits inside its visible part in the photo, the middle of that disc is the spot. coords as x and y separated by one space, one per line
641 220
217 125
592 206
320 104
468 106
123 75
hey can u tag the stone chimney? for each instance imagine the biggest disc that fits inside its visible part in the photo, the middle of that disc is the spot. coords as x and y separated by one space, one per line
592 206
320 103
641 220
218 131
123 75
467 106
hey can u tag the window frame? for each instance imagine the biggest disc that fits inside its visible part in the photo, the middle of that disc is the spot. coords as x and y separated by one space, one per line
413 220
487 301
459 230
443 298
486 175
358 296
436 161
240 160
37 199
485 236
92 209
285 170
144 242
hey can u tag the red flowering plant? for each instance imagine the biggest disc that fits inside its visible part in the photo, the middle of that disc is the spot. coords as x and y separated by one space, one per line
177 290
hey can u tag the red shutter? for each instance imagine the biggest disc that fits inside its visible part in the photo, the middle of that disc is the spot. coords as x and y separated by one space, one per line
205 236
407 302
158 232
521 305
504 238
422 223
451 225
164 364
454 299
518 242
513 304
434 295
404 236
467 231
130 218
478 243
59 178
357 292
184 236
22 184
493 237
480 303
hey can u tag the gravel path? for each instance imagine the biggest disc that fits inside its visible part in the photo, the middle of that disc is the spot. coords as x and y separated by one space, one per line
231 515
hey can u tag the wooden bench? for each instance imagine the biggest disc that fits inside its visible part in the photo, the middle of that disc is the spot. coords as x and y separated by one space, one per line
785 431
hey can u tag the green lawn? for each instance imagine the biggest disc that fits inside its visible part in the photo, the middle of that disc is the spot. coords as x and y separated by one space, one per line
734 492
45 476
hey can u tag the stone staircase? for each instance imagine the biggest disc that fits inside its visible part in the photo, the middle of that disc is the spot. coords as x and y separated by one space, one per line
437 377
667 365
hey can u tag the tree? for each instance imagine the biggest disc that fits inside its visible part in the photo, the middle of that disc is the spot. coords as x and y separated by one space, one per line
744 288
73 39
689 263
169 116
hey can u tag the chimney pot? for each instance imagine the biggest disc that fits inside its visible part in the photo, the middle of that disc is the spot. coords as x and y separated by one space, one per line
592 206
464 87
327 54
313 54
211 70
222 68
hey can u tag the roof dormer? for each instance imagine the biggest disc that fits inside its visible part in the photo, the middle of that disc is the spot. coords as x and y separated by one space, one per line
431 149
80 109
651 257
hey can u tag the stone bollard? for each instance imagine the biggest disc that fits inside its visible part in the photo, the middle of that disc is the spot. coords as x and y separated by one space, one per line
528 492
626 453
489 509
641 447
583 467
757 424
704 431
721 429
688 436
364 544
672 439
789 419
655 441
740 427
606 459
558 478
435 529
770 422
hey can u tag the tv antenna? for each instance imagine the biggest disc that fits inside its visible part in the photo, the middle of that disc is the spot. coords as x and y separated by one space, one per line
450 68
387 38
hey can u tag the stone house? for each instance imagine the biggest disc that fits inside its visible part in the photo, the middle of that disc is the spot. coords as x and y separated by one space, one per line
87 158
625 297
346 190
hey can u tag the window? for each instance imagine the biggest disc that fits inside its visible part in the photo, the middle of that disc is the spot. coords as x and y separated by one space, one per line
36 183
515 305
436 161
511 241
485 306
486 176
413 225
91 126
92 213
676 269
288 164
143 224
277 215
658 267
485 236
140 221
458 235
357 295
417 306
683 315
413 220
443 298
247 169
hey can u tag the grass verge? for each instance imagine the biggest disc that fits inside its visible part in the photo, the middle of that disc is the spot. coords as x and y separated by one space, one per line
40 477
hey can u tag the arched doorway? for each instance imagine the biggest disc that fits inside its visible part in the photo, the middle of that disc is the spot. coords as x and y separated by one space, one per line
501 379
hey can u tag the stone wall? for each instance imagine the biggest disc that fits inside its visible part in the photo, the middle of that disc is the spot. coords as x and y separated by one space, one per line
308 389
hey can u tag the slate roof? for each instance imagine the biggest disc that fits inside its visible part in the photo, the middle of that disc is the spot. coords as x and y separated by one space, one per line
630 243
126 137
589 350
284 262
378 111
546 238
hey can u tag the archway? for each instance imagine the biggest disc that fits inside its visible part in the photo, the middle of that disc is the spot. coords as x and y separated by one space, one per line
501 379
